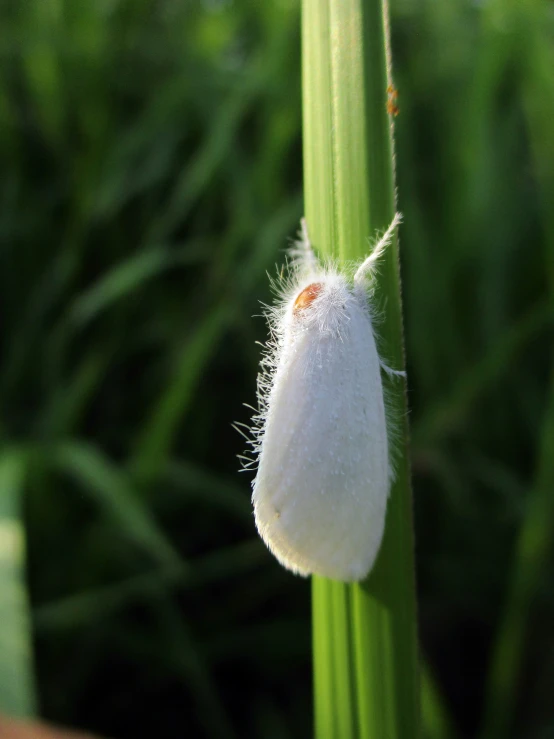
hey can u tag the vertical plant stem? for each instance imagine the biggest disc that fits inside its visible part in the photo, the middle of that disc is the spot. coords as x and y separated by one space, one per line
365 653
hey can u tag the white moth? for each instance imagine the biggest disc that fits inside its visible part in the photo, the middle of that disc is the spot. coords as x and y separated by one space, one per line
320 433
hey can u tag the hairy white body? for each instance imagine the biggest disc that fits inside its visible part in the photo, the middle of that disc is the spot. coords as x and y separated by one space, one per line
323 478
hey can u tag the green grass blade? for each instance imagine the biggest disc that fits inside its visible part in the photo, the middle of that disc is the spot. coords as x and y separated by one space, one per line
41 64
81 609
17 691
154 445
197 484
192 669
447 413
435 718
196 176
125 278
110 488
534 543
532 551
68 404
364 635
322 640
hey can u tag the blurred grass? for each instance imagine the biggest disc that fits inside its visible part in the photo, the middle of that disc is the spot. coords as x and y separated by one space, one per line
151 174
17 690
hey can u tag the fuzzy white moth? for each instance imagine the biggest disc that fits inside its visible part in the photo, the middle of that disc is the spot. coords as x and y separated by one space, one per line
320 434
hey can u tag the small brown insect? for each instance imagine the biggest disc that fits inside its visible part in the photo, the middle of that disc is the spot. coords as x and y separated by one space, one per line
392 107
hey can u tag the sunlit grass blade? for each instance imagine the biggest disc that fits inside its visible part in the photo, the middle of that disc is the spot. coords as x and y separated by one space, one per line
365 654
17 691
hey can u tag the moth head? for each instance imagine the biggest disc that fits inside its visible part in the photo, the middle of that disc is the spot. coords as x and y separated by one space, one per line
306 297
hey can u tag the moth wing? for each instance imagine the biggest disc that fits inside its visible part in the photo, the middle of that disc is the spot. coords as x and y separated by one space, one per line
323 477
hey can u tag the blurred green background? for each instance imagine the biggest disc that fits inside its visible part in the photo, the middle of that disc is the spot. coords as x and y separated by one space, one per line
151 173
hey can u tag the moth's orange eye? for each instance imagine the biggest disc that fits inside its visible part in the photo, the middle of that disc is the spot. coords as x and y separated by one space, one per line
307 297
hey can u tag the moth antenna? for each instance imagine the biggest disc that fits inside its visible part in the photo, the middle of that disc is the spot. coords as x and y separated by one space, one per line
302 254
368 267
